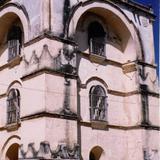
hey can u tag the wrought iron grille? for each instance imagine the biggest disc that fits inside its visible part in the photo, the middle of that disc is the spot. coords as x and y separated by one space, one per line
13 107
97 47
13 49
98 104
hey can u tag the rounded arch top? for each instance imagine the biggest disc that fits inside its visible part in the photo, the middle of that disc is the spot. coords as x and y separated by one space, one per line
96 153
14 139
97 79
127 36
10 12
86 6
15 84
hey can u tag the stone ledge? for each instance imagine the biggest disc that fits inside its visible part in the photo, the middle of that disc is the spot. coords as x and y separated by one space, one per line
12 126
11 63
129 67
101 125
96 58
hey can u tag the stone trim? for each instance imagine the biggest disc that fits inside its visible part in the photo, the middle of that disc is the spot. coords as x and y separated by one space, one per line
47 71
102 61
99 125
85 124
14 62
146 64
50 115
50 35
109 126
129 67
17 5
3 95
11 127
122 94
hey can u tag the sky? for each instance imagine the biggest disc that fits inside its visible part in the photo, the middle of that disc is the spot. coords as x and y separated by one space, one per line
156 8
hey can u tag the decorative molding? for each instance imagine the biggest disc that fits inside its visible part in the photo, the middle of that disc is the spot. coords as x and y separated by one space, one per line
101 125
129 67
16 61
133 127
64 62
50 35
50 115
47 71
97 58
13 126
63 152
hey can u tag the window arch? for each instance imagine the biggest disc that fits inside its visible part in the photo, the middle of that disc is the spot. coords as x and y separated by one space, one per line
98 103
13 106
12 152
96 153
96 38
14 40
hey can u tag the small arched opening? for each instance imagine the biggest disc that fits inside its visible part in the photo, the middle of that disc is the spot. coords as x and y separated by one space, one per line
12 152
13 106
11 35
95 153
98 103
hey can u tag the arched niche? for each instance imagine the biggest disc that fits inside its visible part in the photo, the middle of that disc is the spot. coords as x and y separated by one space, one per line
116 24
8 22
10 13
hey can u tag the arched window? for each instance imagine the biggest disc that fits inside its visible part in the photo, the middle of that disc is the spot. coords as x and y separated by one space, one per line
95 153
98 103
96 39
13 106
14 42
12 152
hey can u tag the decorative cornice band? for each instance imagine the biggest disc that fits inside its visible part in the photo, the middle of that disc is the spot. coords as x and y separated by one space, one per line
47 71
147 127
50 115
51 36
16 61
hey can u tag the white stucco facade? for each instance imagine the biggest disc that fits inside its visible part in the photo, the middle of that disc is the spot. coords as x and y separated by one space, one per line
73 102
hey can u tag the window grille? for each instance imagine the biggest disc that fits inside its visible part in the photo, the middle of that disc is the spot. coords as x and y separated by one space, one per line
13 106
14 42
97 47
98 103
96 39
13 49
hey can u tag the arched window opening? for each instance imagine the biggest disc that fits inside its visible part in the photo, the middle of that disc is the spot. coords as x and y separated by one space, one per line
95 153
96 39
98 103
92 156
13 106
12 152
14 40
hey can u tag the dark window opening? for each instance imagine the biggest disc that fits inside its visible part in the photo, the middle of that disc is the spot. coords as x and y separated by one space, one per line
144 99
92 156
14 42
98 103
13 106
96 39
